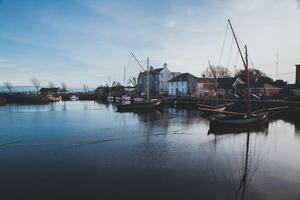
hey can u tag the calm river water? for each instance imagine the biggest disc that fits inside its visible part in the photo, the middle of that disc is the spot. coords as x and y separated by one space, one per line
86 150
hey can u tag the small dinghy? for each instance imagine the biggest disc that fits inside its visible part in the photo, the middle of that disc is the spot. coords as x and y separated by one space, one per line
138 106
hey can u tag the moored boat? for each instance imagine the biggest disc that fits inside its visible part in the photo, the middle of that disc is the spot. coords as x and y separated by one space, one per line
138 106
74 98
218 122
110 98
3 101
210 110
126 98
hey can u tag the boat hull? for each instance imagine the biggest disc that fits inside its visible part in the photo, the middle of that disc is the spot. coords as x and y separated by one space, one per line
228 122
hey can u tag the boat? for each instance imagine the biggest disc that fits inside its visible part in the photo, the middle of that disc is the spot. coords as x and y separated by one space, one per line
138 99
148 105
54 98
221 121
74 98
110 98
138 106
240 120
207 110
3 101
126 98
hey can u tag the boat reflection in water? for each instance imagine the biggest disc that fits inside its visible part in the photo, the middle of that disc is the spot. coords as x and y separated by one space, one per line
236 129
248 166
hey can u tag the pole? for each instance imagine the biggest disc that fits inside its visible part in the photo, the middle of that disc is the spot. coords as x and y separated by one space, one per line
277 65
248 82
148 85
138 61
124 77
216 81
238 46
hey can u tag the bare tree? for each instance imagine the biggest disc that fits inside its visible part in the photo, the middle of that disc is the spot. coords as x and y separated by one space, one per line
51 84
85 88
8 86
36 83
217 71
63 86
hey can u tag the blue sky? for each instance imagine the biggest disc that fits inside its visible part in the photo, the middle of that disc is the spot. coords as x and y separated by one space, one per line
86 41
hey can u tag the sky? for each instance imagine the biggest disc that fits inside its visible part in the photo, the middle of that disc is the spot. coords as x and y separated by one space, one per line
89 41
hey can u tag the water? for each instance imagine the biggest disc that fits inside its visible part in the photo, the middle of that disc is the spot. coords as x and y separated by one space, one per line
86 150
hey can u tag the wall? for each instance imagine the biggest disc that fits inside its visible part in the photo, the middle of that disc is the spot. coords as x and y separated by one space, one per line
178 88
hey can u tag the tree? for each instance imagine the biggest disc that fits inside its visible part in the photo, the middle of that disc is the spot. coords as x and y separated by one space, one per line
218 71
8 86
63 86
51 84
255 76
36 83
85 88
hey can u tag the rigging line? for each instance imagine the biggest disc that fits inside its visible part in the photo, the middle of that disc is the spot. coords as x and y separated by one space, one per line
232 39
223 44
286 73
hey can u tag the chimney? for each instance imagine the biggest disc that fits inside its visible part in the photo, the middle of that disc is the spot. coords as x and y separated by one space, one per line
165 65
298 76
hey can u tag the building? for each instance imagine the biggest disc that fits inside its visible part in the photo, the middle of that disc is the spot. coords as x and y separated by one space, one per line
228 86
206 87
50 91
298 76
158 81
265 90
183 85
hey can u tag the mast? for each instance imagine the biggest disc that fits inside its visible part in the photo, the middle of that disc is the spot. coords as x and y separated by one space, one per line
248 82
124 77
277 63
137 61
245 62
237 44
216 81
148 84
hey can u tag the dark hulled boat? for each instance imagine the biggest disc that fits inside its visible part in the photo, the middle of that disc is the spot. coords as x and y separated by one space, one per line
251 119
221 122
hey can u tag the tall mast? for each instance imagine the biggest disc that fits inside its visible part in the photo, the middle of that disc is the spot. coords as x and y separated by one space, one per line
148 85
137 61
237 44
245 62
124 78
248 82
277 63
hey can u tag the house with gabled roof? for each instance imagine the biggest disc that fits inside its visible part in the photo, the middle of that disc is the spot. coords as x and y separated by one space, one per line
158 79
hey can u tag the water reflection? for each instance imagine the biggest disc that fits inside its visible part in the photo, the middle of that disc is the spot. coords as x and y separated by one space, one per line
71 150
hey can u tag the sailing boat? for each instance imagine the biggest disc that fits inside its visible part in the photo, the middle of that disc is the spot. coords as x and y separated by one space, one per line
141 106
209 110
254 119
109 98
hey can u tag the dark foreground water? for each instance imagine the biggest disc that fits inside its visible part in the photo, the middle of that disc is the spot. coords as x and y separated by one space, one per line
86 150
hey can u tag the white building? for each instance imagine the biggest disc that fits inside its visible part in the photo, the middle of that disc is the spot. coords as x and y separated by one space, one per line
164 76
159 78
183 85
